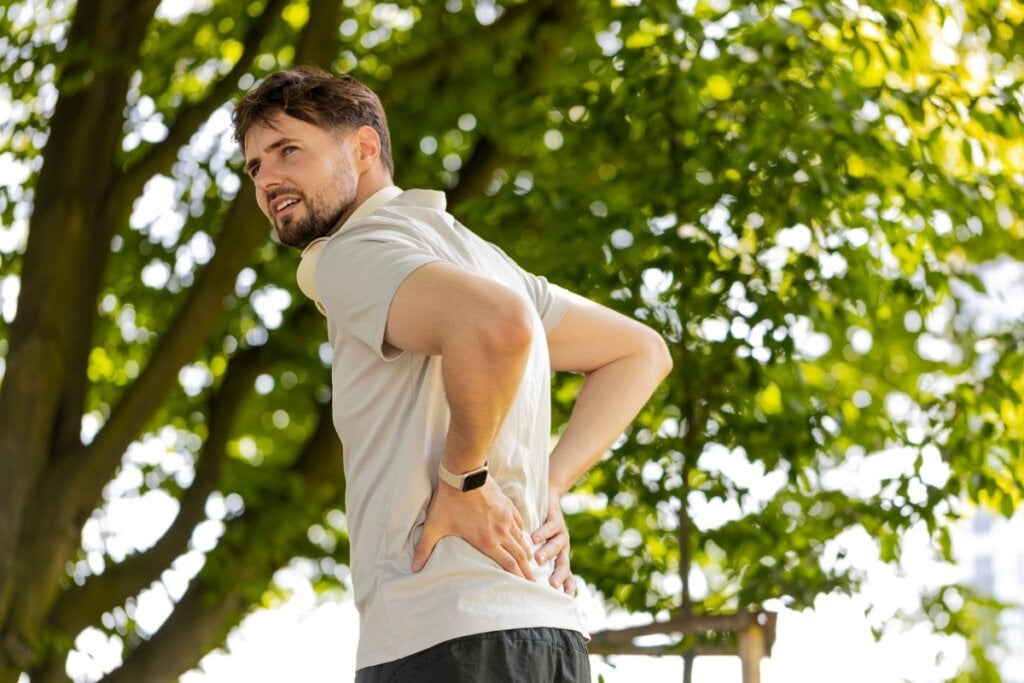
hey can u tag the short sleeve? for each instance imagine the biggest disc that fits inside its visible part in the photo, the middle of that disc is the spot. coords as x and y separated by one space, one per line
550 300
357 277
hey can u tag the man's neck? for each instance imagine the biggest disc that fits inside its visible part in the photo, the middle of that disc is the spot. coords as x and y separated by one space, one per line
369 185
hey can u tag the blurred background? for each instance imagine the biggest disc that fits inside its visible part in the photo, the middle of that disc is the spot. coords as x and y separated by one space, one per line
818 204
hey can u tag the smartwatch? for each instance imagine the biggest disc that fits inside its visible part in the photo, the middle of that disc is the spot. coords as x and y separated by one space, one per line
473 479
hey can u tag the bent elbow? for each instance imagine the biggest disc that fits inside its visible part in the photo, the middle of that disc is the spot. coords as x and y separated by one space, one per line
510 332
660 357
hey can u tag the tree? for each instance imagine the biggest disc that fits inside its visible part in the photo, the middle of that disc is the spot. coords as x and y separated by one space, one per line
804 200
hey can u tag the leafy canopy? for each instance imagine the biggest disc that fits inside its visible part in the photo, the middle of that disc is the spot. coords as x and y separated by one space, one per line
810 200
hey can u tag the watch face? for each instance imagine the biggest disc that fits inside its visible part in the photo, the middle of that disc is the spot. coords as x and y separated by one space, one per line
474 481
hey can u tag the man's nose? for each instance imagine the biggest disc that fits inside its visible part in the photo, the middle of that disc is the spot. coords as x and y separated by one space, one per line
265 184
267 179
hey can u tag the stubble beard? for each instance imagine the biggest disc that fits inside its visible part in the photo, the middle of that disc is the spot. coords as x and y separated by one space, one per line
324 211
319 221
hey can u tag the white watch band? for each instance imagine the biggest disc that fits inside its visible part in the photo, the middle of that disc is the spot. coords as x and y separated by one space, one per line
463 482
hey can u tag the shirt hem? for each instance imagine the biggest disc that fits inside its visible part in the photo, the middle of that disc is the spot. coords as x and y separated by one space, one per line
412 647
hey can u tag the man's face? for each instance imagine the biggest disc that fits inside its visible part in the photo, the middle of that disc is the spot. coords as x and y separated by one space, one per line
304 176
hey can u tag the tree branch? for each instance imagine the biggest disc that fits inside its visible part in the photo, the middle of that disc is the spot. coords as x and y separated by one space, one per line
80 606
70 488
217 600
117 205
161 155
52 670
690 446
114 33
476 173
199 621
320 40
32 394
320 464
486 157
448 52
244 230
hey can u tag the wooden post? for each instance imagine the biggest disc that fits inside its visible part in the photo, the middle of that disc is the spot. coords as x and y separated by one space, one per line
751 650
755 636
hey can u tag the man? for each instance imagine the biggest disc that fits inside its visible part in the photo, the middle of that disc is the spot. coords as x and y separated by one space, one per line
442 354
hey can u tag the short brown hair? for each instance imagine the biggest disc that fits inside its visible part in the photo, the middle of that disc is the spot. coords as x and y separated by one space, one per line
310 94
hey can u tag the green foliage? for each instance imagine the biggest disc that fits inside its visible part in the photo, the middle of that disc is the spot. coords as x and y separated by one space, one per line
806 201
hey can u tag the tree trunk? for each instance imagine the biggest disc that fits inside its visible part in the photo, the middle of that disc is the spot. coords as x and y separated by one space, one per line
37 414
216 602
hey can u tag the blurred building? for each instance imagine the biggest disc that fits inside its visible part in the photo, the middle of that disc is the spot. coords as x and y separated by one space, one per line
990 548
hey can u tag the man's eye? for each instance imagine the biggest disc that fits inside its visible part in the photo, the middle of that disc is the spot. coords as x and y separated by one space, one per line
253 171
288 150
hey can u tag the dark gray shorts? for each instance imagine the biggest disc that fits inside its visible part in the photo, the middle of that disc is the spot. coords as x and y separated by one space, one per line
522 655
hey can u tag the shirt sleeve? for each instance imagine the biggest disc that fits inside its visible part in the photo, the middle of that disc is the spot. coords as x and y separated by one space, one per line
357 277
550 300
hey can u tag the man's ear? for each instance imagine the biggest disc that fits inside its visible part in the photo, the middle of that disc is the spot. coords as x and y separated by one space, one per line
368 146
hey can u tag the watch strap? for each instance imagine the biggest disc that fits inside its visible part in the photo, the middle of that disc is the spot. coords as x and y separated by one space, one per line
466 481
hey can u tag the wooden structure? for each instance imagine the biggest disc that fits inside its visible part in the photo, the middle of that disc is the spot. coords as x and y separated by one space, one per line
754 630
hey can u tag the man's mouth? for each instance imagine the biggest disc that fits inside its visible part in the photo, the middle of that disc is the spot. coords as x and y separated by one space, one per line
282 206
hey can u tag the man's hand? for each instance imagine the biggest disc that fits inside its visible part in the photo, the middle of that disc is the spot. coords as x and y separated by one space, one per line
555 536
485 518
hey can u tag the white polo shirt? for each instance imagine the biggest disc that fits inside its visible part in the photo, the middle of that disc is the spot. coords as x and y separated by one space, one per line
392 417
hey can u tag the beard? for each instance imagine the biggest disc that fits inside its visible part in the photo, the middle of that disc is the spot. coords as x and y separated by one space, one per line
321 218
325 210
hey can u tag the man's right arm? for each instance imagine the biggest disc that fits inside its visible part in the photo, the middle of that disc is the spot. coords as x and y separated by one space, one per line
622 362
483 332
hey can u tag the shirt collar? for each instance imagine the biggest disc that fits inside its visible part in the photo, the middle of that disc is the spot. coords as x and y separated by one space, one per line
306 274
372 203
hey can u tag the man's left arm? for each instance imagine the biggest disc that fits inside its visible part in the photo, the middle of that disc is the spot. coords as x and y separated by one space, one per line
623 362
